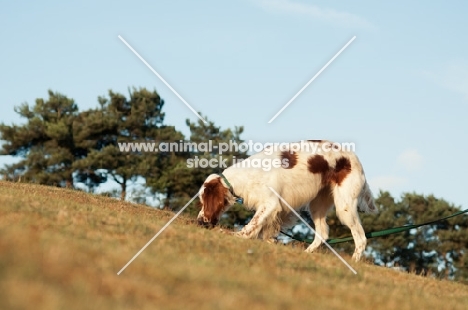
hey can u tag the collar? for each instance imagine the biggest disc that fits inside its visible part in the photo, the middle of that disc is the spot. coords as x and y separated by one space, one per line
239 200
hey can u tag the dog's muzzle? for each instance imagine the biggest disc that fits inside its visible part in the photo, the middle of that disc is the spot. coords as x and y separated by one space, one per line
211 224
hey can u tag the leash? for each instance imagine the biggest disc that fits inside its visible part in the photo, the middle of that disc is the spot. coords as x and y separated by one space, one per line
369 235
380 233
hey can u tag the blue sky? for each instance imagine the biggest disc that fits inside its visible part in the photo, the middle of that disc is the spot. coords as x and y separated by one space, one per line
399 91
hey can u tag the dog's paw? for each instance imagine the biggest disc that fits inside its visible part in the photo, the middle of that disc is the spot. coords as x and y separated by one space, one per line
357 256
240 234
225 231
311 248
244 234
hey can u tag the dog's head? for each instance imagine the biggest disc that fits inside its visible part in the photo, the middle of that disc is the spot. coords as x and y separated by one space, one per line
215 198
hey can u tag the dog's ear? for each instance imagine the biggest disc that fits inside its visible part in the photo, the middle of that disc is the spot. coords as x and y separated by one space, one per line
214 198
199 205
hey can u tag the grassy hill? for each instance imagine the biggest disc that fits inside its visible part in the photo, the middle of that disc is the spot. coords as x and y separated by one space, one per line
62 249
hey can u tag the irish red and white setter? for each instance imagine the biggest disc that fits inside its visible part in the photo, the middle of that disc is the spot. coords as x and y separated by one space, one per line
314 177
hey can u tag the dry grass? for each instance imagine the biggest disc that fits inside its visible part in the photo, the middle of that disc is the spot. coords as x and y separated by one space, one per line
61 249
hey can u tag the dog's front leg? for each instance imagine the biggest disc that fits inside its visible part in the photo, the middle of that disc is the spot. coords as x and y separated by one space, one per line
253 228
262 218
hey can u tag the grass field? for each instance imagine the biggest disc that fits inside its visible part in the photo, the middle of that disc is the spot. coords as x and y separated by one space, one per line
62 249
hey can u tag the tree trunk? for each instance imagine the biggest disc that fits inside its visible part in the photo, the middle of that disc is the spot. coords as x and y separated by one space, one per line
69 182
167 205
123 193
447 267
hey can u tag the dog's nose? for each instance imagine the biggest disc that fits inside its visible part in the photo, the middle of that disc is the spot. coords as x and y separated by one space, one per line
201 222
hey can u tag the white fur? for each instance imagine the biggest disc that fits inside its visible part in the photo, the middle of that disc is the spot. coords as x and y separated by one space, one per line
299 187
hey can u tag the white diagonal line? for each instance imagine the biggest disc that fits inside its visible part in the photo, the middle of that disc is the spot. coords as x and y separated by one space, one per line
316 234
312 79
155 236
162 79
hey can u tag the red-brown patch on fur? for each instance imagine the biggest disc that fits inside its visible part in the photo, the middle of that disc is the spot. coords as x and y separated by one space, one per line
318 164
291 158
342 169
214 199
315 141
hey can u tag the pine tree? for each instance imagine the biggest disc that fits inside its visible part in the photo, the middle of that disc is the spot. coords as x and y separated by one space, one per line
178 182
45 142
438 249
138 119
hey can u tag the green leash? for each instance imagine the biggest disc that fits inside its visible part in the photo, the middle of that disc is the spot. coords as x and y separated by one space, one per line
380 233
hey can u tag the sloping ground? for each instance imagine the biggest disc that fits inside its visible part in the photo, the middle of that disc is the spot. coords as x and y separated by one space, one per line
62 249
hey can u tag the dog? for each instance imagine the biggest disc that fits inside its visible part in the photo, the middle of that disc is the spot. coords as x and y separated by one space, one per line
315 173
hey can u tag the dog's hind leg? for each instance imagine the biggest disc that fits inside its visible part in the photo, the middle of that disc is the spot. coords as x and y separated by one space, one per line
318 211
346 197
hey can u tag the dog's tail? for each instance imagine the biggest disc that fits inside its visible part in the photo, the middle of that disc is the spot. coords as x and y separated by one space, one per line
366 200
